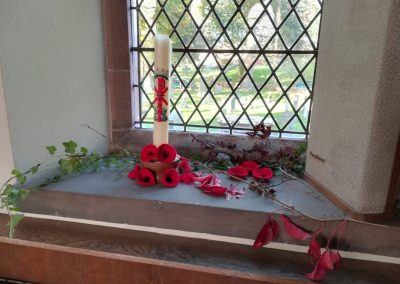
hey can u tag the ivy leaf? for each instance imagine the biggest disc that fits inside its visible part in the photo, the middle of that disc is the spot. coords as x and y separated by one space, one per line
65 166
21 179
35 169
23 193
19 176
52 149
9 188
16 172
84 150
70 147
14 209
14 220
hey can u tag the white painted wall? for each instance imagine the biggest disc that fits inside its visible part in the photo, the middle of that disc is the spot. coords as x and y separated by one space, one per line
6 159
52 53
355 121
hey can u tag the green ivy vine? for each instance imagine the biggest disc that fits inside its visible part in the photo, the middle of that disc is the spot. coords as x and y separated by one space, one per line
75 159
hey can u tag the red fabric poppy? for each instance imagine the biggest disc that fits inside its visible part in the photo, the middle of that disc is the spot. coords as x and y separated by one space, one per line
238 171
133 173
149 153
250 165
166 153
145 177
267 234
293 230
184 166
263 173
170 178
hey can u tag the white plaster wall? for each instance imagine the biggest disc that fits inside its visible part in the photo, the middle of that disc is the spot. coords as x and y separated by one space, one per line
52 53
6 159
355 122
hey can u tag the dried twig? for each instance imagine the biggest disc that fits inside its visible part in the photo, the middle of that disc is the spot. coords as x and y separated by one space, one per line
291 208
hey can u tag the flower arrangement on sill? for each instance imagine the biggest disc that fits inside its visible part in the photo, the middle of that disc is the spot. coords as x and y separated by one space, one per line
173 169
145 173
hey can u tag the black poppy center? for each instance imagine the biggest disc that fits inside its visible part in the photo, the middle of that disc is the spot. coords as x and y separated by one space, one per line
165 154
146 179
168 179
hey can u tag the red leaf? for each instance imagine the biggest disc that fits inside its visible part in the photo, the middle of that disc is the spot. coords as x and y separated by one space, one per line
263 173
293 230
269 232
318 273
133 173
314 250
238 171
326 259
170 178
264 237
275 228
149 153
336 259
166 153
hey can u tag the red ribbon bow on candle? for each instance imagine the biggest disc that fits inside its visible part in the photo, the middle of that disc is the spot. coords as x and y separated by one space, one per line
160 90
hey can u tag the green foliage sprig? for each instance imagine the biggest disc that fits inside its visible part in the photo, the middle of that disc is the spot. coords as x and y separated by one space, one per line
75 160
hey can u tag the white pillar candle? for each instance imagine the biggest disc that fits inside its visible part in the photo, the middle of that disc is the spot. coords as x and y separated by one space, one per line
162 65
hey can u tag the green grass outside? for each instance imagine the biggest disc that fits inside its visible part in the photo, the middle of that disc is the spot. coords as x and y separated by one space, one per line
209 109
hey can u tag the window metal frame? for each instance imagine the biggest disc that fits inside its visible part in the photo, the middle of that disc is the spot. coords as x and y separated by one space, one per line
136 50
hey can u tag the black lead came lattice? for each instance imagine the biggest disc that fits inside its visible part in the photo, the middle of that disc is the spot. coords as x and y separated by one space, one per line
236 63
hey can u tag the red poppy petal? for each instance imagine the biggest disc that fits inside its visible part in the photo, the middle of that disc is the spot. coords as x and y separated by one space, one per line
166 153
170 178
149 153
293 230
264 237
215 180
201 180
314 249
238 171
215 190
250 165
133 173
263 173
184 166
145 177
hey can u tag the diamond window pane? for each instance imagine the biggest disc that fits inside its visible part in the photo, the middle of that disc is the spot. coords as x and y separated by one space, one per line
235 63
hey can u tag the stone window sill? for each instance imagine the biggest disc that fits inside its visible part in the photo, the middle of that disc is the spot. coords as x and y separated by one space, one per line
113 198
